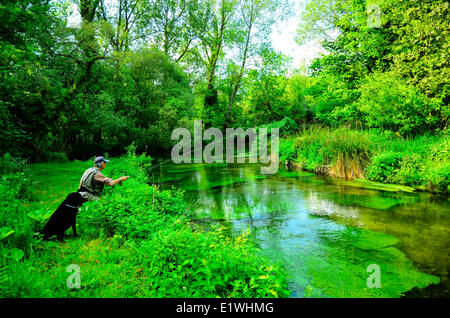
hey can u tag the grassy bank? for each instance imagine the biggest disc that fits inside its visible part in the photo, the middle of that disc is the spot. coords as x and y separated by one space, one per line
380 156
136 241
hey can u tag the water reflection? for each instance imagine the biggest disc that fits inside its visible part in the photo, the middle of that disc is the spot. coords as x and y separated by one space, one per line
325 232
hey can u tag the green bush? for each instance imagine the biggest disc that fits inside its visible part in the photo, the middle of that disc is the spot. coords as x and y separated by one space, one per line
187 263
382 167
16 178
15 227
287 150
411 171
180 261
440 150
309 152
286 127
390 104
439 179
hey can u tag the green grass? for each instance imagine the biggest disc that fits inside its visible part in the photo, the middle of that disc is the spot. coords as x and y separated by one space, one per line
52 182
136 241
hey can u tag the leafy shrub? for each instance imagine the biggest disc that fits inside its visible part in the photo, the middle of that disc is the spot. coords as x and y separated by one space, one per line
136 211
440 150
439 179
411 171
187 263
287 150
15 177
309 153
286 126
180 261
15 188
13 136
382 167
133 165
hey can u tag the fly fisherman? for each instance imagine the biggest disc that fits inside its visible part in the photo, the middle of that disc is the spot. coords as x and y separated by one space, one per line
93 181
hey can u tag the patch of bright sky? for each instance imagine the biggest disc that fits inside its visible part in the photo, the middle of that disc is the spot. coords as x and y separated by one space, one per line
283 39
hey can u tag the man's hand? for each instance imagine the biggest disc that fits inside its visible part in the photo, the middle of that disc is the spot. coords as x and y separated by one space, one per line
119 181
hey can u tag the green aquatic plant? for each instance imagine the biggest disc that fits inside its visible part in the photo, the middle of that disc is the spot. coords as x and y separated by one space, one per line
361 183
329 258
344 270
183 168
295 174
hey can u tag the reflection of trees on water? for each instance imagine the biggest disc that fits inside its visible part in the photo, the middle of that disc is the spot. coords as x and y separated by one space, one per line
254 204
291 219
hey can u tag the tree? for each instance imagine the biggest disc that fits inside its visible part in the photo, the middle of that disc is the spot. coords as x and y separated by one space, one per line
253 25
356 48
266 100
218 15
120 20
174 25
410 41
421 50
24 85
387 102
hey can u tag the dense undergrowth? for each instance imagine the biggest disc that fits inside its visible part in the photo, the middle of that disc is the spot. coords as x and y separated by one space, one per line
422 162
136 241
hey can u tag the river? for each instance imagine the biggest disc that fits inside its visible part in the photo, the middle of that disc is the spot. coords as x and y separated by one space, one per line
334 238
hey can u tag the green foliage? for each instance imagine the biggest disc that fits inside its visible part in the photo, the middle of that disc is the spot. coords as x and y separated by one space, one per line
376 155
285 127
384 66
420 162
15 227
389 104
383 167
137 242
439 179
265 102
422 40
74 104
411 171
287 150
187 264
16 178
345 151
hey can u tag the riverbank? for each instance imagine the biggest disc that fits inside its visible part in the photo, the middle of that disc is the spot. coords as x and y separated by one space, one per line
136 241
422 163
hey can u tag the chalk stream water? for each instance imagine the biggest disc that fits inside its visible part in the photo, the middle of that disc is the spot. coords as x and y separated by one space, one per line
326 232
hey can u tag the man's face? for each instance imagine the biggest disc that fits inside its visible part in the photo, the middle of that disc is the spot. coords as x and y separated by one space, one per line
103 165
